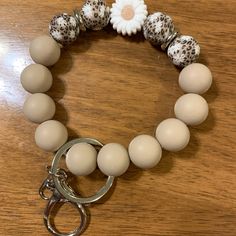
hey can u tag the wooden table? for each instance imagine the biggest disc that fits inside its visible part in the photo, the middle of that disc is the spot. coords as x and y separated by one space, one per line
113 88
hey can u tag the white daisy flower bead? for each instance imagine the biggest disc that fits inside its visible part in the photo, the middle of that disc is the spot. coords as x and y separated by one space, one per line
128 16
95 14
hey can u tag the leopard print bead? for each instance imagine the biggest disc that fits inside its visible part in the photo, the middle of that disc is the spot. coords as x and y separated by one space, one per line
157 28
183 51
95 14
64 28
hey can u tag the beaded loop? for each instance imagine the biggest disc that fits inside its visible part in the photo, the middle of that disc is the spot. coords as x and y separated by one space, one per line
145 151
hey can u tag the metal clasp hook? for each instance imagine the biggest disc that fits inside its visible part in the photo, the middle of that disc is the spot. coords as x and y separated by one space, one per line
56 199
46 185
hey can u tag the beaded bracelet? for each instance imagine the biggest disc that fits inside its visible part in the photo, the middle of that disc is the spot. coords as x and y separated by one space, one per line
82 155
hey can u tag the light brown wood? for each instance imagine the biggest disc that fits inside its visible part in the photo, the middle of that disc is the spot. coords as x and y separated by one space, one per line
112 88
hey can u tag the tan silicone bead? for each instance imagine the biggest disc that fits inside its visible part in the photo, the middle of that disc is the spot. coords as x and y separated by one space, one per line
39 107
81 159
145 151
45 50
195 78
113 159
191 108
173 134
36 78
51 135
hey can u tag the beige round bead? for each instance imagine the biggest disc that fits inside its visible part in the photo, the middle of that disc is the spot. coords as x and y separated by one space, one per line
81 159
191 108
39 107
113 159
195 78
36 78
145 151
51 135
173 134
45 50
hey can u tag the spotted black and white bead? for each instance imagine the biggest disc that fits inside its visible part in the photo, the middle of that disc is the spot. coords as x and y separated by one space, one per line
183 51
64 28
157 28
95 14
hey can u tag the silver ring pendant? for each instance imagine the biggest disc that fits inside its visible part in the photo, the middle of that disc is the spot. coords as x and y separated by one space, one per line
63 188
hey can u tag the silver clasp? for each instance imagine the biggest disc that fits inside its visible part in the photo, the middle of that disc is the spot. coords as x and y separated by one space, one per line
55 199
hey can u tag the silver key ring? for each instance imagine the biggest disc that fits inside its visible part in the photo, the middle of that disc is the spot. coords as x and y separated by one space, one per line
63 188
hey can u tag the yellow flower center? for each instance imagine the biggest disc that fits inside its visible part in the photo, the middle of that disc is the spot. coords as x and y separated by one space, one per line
127 12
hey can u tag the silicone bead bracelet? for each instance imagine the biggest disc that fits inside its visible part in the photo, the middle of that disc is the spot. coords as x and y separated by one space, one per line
83 155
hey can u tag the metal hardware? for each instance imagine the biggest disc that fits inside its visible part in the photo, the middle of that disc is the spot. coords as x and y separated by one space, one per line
62 193
79 19
171 37
53 201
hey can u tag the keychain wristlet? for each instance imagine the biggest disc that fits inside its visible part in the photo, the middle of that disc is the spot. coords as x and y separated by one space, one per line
83 155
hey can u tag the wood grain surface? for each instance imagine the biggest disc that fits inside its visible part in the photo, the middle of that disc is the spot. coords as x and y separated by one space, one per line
112 88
